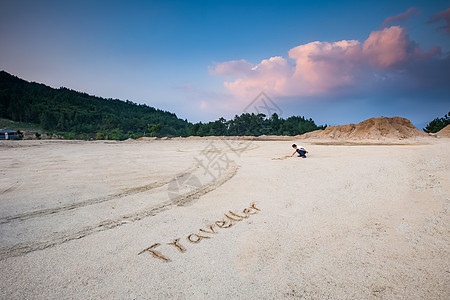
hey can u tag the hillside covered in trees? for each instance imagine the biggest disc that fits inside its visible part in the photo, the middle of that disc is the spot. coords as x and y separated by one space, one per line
78 115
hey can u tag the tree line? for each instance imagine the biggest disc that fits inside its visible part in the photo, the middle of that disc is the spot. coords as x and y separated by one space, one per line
254 125
78 115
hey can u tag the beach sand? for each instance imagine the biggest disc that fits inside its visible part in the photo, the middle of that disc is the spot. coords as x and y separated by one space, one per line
224 219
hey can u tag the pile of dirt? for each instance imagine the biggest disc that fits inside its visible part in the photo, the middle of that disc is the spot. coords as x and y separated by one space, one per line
146 138
374 128
129 140
273 138
444 132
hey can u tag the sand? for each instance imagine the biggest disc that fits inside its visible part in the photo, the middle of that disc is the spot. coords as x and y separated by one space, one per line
221 219
373 129
444 132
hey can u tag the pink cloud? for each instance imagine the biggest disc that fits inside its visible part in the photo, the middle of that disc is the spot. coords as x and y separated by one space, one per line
321 67
271 74
388 47
232 68
400 17
443 15
203 105
391 47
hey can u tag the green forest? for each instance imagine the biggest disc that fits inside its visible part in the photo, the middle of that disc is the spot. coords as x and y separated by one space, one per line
76 115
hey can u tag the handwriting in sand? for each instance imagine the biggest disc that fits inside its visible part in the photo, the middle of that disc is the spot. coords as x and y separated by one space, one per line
229 220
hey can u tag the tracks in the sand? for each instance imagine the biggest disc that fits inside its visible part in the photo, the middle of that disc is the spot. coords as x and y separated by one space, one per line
71 206
57 238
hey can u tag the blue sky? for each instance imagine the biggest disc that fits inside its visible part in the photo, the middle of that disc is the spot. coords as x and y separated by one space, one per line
207 59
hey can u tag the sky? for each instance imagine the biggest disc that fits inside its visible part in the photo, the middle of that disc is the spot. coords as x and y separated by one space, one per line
337 62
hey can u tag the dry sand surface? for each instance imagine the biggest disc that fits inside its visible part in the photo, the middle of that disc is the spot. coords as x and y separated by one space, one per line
224 219
444 132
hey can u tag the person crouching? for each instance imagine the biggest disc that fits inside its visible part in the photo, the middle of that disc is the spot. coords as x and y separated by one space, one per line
300 150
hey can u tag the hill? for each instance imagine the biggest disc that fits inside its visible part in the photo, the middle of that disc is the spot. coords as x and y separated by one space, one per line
374 128
79 115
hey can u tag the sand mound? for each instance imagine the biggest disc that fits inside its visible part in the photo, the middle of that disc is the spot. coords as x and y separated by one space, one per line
146 138
129 140
273 138
374 128
444 132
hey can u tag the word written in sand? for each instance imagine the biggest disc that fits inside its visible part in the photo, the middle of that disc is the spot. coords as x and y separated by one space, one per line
229 220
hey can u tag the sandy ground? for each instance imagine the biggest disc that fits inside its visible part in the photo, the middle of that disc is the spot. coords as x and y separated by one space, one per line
201 219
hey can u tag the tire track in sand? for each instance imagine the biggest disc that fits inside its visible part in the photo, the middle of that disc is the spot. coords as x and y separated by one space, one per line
60 238
71 206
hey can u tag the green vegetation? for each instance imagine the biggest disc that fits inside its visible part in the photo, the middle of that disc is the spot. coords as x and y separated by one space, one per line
437 124
78 115
75 115
12 125
256 125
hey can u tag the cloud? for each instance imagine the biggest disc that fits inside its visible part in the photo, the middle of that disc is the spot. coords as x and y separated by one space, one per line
400 17
203 105
391 47
321 68
443 15
271 74
231 68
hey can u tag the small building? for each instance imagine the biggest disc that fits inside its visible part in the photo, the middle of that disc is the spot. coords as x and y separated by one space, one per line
6 134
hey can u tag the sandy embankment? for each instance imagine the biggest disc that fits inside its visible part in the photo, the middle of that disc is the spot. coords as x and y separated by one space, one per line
347 222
